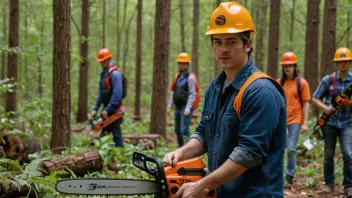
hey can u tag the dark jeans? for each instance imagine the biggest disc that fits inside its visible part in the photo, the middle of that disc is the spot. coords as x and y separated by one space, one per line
330 137
115 129
182 123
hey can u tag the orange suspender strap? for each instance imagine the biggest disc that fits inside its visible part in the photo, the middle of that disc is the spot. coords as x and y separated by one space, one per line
334 84
238 99
173 84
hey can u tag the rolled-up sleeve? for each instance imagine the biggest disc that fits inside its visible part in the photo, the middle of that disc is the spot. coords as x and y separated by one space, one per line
322 88
260 114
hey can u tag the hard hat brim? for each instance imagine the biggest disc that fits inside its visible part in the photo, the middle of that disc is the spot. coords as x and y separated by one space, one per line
288 63
228 30
342 59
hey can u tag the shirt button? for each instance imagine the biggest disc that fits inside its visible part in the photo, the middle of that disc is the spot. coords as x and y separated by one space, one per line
217 135
228 122
206 116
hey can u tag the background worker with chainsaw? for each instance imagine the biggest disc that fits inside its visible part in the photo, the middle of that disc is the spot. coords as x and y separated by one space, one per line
297 101
243 127
185 96
110 95
340 123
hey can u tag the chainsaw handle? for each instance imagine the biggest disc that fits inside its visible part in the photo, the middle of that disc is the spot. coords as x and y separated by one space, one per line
140 161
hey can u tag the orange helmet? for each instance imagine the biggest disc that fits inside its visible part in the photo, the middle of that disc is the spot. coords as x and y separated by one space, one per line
343 54
230 17
289 58
104 54
183 58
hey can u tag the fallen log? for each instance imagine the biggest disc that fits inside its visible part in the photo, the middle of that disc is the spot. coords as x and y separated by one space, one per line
79 164
148 140
10 190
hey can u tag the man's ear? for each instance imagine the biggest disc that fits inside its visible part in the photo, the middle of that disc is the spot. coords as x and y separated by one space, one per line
249 45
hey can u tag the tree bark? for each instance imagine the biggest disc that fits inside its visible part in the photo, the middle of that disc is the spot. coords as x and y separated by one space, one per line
195 37
61 130
292 24
83 74
261 29
12 64
327 64
311 50
4 30
137 107
11 190
126 46
40 71
118 33
182 27
79 164
104 23
161 65
273 45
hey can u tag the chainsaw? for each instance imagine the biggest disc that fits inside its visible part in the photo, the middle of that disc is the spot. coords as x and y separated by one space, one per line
341 100
99 122
168 180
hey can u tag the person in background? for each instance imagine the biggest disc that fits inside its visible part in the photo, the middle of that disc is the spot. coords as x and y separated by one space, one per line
297 101
110 95
340 123
184 96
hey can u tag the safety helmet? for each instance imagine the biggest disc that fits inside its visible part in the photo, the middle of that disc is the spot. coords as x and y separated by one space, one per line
343 54
104 54
230 17
289 58
183 58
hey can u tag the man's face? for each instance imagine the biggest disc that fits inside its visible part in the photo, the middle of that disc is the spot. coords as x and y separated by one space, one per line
105 64
343 66
289 69
229 50
182 66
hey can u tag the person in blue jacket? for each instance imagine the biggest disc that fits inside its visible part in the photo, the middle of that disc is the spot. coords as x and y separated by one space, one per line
245 150
110 95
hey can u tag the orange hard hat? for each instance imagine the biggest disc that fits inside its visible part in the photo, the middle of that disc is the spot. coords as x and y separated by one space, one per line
104 54
183 58
343 54
289 58
230 17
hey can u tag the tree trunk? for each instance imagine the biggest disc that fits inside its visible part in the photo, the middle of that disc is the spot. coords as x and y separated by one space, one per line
40 71
195 37
83 74
118 33
126 46
273 45
61 129
25 61
11 97
161 65
327 64
79 164
137 107
4 30
261 29
104 23
349 27
122 28
182 26
311 51
292 24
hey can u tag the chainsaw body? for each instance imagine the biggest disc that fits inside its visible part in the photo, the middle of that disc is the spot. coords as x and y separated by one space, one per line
97 123
170 179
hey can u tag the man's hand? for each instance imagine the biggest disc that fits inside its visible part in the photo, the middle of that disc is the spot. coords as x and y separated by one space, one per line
304 127
172 158
93 113
104 114
186 112
192 190
329 110
168 111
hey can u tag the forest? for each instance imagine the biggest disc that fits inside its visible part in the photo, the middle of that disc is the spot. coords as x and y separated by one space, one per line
49 80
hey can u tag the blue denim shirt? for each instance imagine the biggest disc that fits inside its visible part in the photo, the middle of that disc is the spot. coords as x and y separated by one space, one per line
116 95
257 140
342 117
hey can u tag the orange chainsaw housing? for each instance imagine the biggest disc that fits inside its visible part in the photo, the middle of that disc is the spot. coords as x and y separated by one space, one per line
185 171
107 121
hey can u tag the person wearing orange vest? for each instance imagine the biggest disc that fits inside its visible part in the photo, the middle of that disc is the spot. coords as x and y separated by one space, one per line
109 95
340 123
297 101
243 123
184 97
